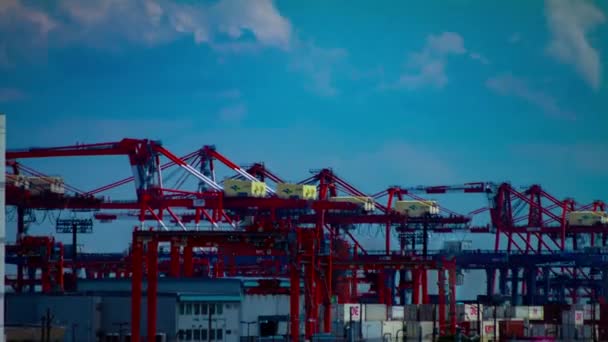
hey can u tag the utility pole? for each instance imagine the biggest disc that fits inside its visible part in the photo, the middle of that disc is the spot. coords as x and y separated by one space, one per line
120 329
74 325
211 312
45 327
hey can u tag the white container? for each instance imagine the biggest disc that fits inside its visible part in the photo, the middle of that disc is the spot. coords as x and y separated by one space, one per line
366 203
397 312
18 181
521 312
417 208
372 330
536 313
488 330
40 185
347 311
589 312
392 329
375 312
470 312
586 218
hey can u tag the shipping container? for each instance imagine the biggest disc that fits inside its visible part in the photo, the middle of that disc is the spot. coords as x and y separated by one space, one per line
372 330
428 311
511 328
410 312
344 312
490 331
553 312
417 208
501 312
18 181
586 218
392 331
589 314
375 312
470 312
397 312
39 185
244 188
297 191
535 313
366 203
456 246
416 331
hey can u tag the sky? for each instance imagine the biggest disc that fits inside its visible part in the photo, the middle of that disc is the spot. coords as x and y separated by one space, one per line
408 93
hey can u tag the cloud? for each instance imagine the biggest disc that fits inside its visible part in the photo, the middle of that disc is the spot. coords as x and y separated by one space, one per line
508 85
319 64
225 26
569 22
105 23
13 11
11 94
478 57
233 113
427 67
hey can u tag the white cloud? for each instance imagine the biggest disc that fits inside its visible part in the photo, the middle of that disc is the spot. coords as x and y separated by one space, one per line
427 68
508 85
15 10
103 22
319 64
428 65
570 21
233 113
11 94
226 26
478 57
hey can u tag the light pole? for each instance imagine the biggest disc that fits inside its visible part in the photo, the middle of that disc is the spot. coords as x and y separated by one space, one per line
120 328
249 323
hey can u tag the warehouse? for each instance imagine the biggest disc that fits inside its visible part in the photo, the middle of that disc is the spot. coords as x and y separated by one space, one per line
189 310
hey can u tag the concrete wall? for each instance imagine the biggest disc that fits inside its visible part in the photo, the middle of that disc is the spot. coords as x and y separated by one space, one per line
79 314
254 306
228 321
2 218
117 309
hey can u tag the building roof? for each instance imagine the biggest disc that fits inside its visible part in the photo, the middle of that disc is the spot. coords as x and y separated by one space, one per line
191 286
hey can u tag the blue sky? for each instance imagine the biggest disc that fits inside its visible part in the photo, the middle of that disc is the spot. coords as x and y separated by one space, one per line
429 92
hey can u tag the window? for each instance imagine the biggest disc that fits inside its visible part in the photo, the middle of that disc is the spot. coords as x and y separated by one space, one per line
204 309
219 334
197 309
220 308
182 308
204 334
188 335
197 334
180 334
212 309
212 334
188 309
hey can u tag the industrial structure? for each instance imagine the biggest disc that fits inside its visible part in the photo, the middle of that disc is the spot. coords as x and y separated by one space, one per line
296 240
